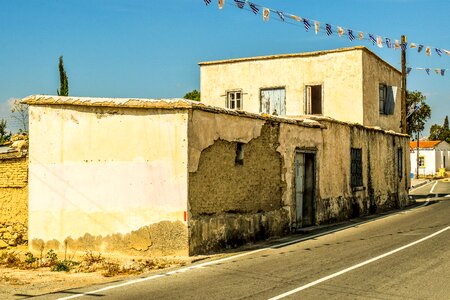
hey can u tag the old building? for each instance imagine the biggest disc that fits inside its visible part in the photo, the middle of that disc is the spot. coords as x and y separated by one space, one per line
433 156
350 84
158 177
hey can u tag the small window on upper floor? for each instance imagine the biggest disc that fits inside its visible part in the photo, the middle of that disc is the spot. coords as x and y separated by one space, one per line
313 103
386 99
234 100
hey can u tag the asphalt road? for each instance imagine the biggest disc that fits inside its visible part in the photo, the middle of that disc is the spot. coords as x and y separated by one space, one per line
438 188
400 256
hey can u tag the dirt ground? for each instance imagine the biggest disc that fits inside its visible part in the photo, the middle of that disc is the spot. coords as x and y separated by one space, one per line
19 280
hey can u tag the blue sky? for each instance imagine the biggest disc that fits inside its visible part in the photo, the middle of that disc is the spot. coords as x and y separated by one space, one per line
150 49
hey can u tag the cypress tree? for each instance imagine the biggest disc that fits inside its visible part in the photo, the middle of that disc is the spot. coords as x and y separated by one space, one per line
63 81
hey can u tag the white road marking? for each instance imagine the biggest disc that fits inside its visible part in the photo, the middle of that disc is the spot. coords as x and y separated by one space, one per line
434 185
419 187
215 262
301 288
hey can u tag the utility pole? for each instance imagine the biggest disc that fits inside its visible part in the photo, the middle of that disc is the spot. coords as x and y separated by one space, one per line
417 158
403 122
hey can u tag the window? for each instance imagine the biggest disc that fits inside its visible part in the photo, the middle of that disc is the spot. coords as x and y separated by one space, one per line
422 161
400 162
387 99
239 160
313 105
234 100
356 167
273 101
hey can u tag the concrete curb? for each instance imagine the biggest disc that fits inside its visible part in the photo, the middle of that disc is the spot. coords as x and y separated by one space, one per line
419 184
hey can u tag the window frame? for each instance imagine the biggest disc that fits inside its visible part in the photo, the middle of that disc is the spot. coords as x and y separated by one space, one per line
382 102
356 168
422 158
308 99
228 101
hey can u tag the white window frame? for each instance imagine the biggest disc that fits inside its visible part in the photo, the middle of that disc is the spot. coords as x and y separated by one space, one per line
232 101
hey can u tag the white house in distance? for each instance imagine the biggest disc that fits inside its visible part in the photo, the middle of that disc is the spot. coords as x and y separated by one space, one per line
349 84
433 155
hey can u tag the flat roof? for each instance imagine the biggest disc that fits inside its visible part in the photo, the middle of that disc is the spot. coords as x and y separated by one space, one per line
296 55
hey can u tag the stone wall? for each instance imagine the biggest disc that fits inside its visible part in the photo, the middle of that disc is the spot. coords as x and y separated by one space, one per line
13 200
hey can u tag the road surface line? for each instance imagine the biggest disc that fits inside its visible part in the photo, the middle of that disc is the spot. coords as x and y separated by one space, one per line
215 262
301 288
422 186
432 189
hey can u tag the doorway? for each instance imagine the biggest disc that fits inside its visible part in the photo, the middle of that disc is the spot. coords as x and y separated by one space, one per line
305 188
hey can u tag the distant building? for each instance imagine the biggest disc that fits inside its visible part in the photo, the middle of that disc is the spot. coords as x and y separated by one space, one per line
349 84
433 155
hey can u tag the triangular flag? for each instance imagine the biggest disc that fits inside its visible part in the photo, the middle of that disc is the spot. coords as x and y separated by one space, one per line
408 70
350 35
396 45
328 29
437 71
380 41
306 24
428 71
340 31
420 48
221 3
316 26
207 2
361 35
442 72
428 51
438 51
388 43
372 39
404 45
240 3
296 18
254 8
281 15
446 51
413 45
266 14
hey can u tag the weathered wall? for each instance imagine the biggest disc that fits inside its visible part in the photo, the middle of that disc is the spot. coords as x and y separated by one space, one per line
232 204
378 72
114 175
13 199
339 72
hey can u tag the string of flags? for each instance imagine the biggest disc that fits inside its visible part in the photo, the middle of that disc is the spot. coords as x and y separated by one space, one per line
428 70
331 29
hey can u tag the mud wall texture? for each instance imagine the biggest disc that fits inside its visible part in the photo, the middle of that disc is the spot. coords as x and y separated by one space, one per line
13 200
235 192
232 203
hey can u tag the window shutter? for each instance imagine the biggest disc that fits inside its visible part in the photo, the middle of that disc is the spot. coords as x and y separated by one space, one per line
389 104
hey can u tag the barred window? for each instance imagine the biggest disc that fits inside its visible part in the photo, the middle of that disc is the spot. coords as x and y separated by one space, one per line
400 162
356 167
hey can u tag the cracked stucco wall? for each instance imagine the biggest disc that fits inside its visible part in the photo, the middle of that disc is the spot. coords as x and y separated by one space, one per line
104 171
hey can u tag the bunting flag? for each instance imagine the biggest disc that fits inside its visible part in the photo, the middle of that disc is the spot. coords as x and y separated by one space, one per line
266 14
428 71
404 45
408 70
442 72
239 3
306 24
350 35
316 26
388 43
328 29
380 41
375 39
298 19
253 7
437 71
